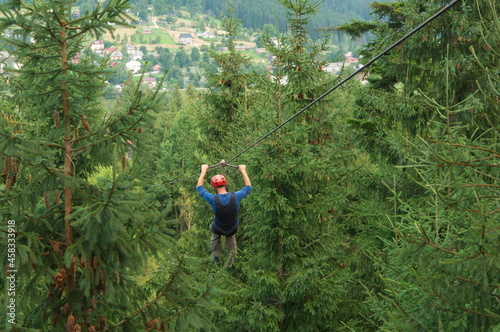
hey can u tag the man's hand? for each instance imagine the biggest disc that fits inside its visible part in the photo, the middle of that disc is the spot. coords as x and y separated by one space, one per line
204 170
243 170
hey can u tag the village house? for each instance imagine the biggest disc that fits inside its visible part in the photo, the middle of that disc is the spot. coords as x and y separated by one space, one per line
333 67
135 55
110 50
151 81
116 55
205 34
97 46
130 48
156 69
185 39
134 66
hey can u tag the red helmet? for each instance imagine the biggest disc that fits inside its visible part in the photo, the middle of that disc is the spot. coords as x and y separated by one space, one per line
218 180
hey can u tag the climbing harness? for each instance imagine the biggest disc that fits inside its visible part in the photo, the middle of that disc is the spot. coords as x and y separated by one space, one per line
369 63
226 217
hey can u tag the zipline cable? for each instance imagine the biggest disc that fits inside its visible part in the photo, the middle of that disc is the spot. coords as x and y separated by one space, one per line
369 63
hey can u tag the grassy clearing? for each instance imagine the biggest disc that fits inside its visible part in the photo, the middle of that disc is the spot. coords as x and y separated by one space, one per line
164 37
122 31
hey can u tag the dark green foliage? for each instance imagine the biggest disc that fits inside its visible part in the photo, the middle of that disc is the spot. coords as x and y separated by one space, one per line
228 87
178 157
441 266
432 111
84 228
378 215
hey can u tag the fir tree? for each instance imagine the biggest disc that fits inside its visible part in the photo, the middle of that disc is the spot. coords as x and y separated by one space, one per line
294 261
228 88
81 240
432 111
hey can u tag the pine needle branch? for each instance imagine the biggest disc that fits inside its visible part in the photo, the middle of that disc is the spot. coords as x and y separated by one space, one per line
160 295
433 244
203 295
451 302
496 153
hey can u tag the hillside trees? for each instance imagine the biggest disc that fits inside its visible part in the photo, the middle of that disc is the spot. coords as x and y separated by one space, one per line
432 112
254 14
83 227
177 156
227 93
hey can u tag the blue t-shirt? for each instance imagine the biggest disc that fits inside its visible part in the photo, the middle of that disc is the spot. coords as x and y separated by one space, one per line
224 198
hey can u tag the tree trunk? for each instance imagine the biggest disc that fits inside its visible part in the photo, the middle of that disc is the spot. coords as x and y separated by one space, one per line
68 165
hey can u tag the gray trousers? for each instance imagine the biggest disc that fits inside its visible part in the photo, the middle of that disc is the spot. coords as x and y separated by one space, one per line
231 248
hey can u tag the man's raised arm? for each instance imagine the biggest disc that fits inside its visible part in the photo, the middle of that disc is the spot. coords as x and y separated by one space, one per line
201 179
246 179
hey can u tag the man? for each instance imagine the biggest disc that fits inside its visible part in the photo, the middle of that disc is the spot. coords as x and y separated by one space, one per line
225 205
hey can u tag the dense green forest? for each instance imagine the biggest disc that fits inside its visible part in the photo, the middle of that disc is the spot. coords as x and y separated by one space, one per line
377 208
254 14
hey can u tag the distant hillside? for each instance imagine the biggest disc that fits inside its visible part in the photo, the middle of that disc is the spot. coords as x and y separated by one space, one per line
253 14
256 13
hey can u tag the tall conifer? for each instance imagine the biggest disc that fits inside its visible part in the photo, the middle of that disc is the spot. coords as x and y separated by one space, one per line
227 91
432 111
82 227
293 264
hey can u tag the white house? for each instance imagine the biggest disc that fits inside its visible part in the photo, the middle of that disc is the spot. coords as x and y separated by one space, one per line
130 48
333 67
135 55
116 55
97 46
185 38
134 66
205 34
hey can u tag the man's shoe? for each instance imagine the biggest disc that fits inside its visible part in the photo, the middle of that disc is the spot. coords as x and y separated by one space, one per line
217 260
230 262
